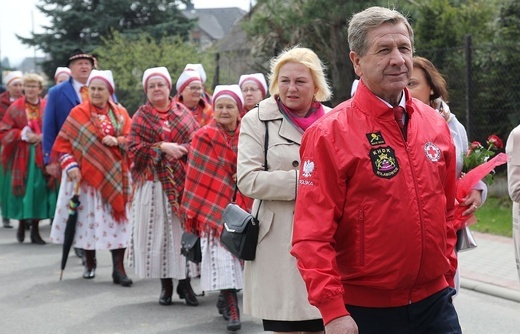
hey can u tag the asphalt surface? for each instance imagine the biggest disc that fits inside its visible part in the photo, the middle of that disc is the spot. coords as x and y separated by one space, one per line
34 300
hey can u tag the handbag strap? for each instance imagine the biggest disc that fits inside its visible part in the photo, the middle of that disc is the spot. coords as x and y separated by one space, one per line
266 145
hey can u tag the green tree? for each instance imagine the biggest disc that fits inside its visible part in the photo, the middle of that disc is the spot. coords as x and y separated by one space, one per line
320 25
83 24
128 57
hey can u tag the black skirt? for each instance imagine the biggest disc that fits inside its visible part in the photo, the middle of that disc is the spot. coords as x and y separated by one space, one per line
315 325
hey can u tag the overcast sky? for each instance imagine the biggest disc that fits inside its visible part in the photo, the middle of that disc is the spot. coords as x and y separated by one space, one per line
17 17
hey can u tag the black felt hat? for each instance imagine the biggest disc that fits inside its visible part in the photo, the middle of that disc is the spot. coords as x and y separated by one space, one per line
79 54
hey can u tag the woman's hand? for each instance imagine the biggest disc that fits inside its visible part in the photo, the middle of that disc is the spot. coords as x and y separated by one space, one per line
234 177
109 141
473 201
33 138
74 174
173 150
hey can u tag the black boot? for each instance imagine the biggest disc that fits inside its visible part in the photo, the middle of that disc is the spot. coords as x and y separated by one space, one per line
186 292
35 233
166 291
20 234
118 273
233 312
7 223
221 305
90 264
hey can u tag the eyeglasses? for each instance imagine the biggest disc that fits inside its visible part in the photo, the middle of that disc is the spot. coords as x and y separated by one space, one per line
250 89
195 89
159 85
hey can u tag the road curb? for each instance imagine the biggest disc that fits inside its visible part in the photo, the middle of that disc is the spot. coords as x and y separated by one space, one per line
490 289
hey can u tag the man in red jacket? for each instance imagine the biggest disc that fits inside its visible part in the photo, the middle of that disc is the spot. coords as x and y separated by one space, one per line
373 234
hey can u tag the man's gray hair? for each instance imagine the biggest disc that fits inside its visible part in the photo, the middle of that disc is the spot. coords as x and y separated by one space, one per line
373 17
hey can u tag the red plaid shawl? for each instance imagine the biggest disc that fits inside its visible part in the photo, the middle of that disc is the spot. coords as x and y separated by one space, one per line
104 168
5 102
203 114
14 149
209 187
146 135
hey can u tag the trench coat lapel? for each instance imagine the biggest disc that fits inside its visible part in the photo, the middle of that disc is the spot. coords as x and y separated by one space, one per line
269 112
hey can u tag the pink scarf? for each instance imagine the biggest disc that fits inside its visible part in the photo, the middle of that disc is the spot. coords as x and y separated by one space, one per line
301 123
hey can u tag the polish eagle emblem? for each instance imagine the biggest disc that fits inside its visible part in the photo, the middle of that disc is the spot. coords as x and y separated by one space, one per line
308 168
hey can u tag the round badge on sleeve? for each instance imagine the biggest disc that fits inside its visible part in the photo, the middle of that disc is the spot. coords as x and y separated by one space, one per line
433 153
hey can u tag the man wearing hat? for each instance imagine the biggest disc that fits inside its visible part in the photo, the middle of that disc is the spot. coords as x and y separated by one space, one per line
13 84
62 98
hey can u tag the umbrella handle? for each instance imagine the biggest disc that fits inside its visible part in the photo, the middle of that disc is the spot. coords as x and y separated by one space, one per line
76 189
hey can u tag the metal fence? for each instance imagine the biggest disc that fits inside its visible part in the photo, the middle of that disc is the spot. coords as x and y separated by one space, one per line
483 84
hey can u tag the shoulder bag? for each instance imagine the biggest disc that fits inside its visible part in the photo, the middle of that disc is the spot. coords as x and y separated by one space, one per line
240 233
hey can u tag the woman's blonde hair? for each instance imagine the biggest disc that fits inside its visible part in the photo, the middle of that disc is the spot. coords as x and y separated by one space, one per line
309 59
32 77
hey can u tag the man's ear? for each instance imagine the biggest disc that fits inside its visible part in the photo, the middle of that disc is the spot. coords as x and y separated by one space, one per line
355 59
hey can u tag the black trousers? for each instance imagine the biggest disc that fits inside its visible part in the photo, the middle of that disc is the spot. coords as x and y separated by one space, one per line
433 315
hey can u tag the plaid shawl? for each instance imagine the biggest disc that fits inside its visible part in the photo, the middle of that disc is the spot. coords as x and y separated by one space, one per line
212 162
5 102
203 114
145 137
104 168
15 151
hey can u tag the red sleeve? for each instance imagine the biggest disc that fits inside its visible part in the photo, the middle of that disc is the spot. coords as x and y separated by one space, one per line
450 185
319 206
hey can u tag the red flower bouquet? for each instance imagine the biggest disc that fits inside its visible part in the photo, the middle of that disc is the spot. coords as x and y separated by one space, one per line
478 154
478 164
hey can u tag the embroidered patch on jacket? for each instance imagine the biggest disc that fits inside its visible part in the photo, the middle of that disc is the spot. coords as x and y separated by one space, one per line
308 168
433 153
375 138
306 172
384 162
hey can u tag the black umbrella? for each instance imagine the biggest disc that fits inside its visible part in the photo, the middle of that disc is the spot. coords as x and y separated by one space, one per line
70 228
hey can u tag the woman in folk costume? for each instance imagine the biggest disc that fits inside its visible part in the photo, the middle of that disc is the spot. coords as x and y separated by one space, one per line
210 184
91 148
254 89
29 194
200 69
14 90
158 144
189 92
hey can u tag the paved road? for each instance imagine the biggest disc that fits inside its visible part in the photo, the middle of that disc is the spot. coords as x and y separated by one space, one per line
33 300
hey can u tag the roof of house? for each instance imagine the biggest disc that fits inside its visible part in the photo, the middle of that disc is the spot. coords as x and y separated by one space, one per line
216 22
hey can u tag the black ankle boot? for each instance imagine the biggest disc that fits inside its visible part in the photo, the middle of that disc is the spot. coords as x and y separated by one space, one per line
118 274
166 291
185 292
7 223
20 234
221 305
35 233
230 297
90 264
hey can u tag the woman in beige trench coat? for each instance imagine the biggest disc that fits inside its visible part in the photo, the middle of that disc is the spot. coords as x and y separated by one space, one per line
513 181
273 288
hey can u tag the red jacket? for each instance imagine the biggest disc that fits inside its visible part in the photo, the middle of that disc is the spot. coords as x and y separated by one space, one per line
373 212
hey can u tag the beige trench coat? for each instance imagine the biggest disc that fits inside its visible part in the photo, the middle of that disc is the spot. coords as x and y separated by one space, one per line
273 287
513 181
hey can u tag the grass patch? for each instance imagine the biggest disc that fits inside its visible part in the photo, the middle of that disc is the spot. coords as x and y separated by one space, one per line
495 217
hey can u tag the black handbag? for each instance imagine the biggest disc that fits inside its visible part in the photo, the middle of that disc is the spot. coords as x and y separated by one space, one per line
190 247
240 232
